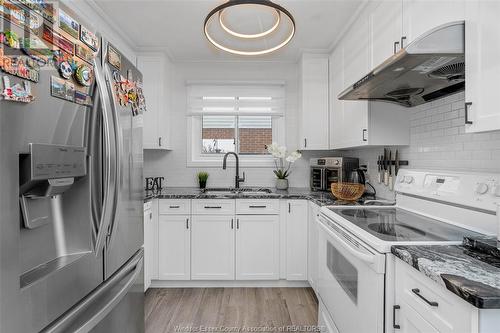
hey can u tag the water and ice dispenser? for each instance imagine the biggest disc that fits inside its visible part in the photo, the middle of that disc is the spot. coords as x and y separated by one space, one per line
47 171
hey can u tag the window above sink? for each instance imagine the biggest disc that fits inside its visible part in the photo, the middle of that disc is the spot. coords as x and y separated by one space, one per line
234 117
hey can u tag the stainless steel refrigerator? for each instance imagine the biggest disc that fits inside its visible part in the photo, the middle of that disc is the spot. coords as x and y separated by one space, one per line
71 207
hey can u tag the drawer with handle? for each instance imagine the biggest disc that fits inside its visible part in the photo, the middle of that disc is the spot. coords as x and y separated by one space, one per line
213 207
257 207
442 309
174 206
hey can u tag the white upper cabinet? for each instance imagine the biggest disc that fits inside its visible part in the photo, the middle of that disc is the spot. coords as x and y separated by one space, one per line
356 64
357 51
385 30
336 87
420 16
156 76
482 70
314 129
361 123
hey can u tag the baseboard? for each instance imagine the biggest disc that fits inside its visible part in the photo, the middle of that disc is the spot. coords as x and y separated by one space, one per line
229 284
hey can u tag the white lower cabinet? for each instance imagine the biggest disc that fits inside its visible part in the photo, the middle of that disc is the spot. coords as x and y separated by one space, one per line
312 242
256 239
424 306
174 236
150 243
410 321
296 239
212 247
257 247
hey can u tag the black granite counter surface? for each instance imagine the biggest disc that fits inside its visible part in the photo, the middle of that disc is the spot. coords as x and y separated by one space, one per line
320 198
467 271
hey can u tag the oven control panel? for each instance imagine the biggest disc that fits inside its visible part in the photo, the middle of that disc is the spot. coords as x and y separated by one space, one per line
481 190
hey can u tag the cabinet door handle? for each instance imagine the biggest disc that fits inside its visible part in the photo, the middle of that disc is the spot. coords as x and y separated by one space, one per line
150 216
403 39
305 142
213 207
232 223
257 206
467 121
416 291
237 223
174 207
159 141
396 47
365 131
394 325
289 208
187 223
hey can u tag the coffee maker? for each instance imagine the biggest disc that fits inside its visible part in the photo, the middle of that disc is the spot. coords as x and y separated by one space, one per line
358 176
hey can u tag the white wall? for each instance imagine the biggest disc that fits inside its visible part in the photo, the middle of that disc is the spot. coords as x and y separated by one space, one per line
438 138
172 165
438 141
94 19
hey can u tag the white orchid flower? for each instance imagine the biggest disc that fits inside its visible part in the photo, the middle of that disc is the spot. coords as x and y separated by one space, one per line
281 152
293 157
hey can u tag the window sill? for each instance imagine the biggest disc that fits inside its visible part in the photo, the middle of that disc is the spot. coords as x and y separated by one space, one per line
244 163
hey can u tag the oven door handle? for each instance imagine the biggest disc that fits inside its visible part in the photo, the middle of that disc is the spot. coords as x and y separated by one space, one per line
371 260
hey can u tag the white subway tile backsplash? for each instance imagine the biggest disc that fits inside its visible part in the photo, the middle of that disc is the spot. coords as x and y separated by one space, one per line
438 141
495 155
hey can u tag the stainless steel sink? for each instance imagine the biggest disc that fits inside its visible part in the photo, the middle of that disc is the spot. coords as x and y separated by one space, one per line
236 191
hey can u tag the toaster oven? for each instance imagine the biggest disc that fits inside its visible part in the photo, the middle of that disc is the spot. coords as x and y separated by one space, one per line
328 170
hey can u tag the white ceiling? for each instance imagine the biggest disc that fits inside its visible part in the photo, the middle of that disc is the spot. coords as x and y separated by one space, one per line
176 26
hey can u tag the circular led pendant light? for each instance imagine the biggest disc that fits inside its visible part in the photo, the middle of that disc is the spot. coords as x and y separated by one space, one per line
281 17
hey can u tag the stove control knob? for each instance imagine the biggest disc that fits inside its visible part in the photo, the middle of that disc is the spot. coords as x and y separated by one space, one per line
409 179
402 179
482 188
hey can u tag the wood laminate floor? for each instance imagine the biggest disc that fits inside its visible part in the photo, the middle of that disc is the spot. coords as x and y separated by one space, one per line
229 309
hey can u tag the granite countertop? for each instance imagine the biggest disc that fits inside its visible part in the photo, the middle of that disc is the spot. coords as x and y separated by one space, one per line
320 198
471 271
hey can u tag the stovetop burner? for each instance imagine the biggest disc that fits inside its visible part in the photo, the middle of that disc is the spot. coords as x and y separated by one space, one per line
360 213
395 229
398 225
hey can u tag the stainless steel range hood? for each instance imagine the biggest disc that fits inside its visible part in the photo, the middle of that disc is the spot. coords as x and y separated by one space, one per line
431 67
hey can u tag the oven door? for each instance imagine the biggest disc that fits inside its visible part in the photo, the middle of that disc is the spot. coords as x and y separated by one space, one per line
351 280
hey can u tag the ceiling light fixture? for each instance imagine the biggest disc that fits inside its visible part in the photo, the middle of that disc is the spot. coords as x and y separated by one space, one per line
250 36
280 12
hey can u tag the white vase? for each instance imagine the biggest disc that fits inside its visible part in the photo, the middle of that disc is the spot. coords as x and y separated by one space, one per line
282 184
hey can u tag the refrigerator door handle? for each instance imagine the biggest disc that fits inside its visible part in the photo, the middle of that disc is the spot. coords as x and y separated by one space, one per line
84 316
96 173
110 163
119 164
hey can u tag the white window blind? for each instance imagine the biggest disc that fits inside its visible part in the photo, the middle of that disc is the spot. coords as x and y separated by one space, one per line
236 100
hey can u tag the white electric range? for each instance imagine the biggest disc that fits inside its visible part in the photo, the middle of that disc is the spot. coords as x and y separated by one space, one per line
432 207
